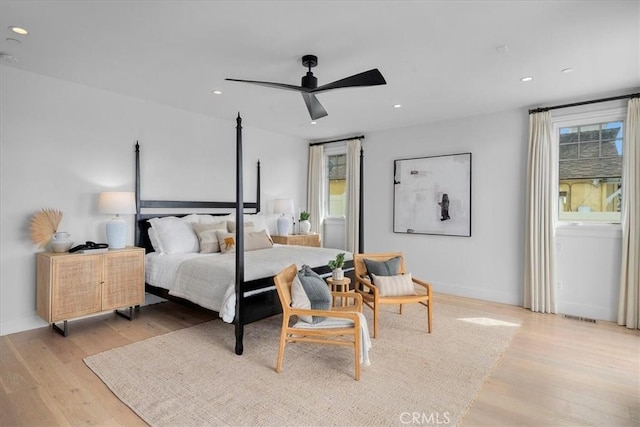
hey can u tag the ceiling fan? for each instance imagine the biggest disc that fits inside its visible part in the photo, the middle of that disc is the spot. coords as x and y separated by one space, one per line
309 86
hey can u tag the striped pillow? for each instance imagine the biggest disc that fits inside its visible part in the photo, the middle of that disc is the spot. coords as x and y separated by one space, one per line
394 286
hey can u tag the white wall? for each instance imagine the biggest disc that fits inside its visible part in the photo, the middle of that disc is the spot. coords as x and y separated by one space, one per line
588 270
62 144
489 264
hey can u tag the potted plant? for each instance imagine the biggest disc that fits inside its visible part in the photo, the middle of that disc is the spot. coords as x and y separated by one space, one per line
303 222
336 266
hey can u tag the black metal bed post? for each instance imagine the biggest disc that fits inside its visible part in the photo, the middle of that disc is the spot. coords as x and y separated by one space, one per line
361 203
239 321
258 190
137 228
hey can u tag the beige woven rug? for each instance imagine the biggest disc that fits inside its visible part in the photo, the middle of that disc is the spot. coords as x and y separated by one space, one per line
192 377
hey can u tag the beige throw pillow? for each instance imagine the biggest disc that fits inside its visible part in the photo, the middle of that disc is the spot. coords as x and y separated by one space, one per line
394 286
231 226
207 236
253 240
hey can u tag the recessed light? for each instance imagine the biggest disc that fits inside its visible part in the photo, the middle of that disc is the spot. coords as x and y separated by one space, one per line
19 30
217 92
526 79
313 122
397 106
567 70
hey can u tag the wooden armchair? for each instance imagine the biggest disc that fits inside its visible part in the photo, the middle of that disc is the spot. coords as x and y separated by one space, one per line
371 294
346 330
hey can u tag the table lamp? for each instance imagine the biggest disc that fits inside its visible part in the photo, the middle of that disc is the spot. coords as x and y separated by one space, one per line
117 203
284 206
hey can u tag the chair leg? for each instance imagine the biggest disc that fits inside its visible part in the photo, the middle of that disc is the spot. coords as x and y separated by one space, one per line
401 308
356 351
375 320
429 317
283 342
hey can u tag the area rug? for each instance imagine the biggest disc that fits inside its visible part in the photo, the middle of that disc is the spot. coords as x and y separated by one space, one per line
192 377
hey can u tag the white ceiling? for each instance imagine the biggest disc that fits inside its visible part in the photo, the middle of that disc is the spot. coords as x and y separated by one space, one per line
440 58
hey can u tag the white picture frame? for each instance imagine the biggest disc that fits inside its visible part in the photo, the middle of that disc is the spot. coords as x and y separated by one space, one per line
432 195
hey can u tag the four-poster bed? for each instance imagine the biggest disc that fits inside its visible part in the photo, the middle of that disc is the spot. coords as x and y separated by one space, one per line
253 294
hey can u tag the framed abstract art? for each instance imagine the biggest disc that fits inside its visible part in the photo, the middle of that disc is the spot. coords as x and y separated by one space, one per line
432 195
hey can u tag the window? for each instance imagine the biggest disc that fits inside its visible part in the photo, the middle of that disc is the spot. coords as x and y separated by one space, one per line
590 168
337 174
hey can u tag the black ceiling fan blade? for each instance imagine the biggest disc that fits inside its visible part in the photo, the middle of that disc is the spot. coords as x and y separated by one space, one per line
272 85
316 110
367 78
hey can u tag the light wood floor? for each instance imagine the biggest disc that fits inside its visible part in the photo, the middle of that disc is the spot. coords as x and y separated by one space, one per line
556 372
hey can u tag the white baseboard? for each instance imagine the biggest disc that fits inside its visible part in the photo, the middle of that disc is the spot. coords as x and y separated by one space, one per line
20 325
479 292
588 311
35 321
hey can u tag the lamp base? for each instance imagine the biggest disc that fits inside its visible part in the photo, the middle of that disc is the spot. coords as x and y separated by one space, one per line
117 233
283 225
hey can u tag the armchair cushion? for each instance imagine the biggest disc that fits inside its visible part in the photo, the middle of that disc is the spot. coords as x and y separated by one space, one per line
394 286
389 267
310 291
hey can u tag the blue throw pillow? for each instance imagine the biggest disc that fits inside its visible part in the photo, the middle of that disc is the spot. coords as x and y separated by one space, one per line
390 267
316 289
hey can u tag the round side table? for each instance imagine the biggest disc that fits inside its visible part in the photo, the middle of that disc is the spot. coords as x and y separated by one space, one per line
341 285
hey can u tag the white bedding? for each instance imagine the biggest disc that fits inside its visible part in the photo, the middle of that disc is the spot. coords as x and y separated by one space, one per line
209 279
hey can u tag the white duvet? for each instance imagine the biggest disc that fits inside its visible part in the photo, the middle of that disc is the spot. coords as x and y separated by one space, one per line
209 280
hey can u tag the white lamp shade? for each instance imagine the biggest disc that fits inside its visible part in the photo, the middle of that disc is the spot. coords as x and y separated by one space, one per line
283 206
117 202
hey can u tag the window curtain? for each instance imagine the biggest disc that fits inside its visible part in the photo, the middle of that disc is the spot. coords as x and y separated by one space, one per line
316 188
539 280
629 304
353 195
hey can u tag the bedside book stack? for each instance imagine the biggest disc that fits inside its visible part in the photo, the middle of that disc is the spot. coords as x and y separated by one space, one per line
94 251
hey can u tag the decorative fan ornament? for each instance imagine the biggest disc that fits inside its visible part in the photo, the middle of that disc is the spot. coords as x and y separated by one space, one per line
44 225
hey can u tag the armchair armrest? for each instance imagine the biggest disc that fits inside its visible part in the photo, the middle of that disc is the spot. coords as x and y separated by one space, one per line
366 283
357 298
350 315
424 284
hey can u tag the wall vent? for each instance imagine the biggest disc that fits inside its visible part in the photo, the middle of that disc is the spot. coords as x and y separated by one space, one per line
582 319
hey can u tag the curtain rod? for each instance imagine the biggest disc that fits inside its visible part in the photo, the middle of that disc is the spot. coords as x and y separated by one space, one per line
336 140
575 104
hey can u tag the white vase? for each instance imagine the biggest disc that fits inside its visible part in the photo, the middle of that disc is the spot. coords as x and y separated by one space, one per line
305 226
61 242
337 274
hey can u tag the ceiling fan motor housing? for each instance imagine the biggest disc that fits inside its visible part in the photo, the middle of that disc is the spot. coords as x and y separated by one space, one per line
309 81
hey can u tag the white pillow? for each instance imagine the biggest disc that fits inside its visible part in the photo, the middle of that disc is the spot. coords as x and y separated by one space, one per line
210 219
394 286
299 298
175 235
259 221
153 238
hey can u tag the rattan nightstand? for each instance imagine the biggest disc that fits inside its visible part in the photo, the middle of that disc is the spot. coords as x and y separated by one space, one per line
298 239
74 285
